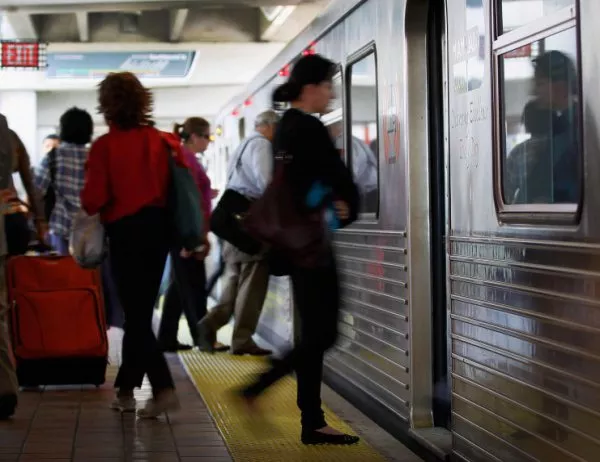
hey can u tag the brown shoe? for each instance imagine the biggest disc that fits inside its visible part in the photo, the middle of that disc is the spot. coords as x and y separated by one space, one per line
253 350
205 337
220 347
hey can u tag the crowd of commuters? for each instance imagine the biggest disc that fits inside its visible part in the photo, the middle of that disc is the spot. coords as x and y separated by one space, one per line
123 176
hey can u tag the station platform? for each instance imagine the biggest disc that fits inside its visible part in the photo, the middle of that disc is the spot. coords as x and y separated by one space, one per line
75 424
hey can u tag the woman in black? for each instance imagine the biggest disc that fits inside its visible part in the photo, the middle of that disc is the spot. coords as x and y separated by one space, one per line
316 289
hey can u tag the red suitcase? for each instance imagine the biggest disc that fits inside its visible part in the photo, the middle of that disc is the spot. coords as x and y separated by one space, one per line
57 321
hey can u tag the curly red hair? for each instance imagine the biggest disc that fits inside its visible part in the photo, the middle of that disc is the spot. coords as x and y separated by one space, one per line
124 101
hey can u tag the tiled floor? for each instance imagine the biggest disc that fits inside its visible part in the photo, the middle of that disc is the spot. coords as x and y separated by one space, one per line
76 425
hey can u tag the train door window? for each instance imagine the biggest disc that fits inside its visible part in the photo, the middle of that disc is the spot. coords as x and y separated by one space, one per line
361 139
335 105
333 117
538 117
518 13
242 128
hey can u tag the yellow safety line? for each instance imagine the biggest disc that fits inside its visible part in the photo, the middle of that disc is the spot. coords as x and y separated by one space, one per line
273 434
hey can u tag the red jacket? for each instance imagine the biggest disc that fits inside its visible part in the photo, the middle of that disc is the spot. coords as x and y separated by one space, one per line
127 170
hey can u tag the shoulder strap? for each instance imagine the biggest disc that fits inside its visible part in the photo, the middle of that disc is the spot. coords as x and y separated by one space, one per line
238 161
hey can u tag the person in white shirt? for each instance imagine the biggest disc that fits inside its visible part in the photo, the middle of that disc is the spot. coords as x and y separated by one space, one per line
364 167
246 277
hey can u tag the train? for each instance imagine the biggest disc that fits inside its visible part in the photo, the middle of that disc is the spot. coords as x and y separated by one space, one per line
471 312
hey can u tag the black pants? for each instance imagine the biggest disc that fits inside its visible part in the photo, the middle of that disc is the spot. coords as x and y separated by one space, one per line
187 294
138 248
317 299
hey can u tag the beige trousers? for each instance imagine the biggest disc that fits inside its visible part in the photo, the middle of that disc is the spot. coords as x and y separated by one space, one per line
8 376
244 291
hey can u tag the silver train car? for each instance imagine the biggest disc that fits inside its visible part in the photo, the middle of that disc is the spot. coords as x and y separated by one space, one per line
471 316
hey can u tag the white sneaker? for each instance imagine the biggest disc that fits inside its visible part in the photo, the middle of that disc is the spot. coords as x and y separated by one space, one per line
166 402
124 404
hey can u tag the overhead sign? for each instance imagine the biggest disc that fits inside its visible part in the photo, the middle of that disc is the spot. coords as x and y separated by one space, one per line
93 65
22 55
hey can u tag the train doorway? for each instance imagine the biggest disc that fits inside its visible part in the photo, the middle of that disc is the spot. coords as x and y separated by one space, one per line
438 196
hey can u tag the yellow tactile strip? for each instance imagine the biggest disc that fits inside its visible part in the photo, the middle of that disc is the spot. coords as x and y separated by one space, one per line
274 434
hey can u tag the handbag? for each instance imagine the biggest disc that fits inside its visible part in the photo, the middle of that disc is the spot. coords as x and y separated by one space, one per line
277 219
87 243
50 196
183 203
226 218
226 222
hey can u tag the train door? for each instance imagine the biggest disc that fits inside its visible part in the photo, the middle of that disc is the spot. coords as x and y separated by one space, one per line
438 210
427 223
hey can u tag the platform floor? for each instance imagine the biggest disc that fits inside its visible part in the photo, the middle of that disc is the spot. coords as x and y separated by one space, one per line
75 424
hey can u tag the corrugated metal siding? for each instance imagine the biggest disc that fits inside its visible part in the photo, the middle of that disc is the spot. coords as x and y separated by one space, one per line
373 349
525 322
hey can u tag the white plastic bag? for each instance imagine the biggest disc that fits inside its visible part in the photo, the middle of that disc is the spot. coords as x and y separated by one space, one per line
87 244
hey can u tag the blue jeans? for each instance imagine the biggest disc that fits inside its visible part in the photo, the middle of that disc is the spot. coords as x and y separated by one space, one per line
59 243
114 309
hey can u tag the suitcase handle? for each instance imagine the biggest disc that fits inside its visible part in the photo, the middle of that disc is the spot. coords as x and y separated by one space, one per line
41 248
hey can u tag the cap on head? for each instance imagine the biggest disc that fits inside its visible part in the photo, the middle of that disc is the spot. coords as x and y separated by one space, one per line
556 66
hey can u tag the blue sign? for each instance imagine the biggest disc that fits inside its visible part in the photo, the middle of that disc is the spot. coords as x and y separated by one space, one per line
93 65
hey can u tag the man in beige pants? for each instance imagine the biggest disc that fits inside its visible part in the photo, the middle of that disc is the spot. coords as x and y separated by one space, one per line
246 277
8 378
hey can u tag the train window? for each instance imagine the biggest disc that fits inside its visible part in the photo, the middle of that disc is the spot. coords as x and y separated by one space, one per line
333 118
362 136
336 102
540 123
242 128
518 13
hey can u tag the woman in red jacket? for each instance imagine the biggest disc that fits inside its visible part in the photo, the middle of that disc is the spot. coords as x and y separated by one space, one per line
127 176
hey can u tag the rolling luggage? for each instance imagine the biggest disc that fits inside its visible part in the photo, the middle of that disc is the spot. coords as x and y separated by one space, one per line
57 321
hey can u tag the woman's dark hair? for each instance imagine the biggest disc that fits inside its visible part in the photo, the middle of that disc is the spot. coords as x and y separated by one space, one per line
124 101
311 69
53 137
76 126
192 126
556 66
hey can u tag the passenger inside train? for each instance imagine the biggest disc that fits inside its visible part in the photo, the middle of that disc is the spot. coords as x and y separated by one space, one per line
364 166
545 169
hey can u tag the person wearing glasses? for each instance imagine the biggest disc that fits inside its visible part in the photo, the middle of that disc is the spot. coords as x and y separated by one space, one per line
187 289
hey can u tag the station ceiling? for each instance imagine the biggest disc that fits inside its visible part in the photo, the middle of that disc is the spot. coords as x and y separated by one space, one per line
158 21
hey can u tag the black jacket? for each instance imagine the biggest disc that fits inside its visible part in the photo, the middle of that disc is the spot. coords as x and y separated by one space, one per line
314 159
